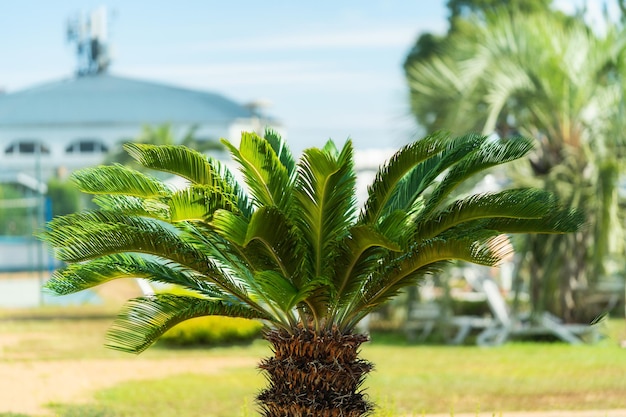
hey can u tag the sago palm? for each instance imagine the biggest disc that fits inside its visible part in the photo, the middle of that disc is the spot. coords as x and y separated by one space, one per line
291 248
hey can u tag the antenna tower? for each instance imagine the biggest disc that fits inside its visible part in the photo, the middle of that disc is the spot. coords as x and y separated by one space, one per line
89 32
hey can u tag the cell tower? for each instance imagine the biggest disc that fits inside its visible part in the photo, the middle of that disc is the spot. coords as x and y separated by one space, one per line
89 32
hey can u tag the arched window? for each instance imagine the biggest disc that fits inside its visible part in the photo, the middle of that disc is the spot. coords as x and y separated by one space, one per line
27 147
87 146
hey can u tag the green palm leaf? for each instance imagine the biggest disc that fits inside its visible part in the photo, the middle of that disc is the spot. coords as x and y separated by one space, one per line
264 173
412 185
144 319
278 289
198 203
282 151
80 276
482 247
86 235
174 159
230 226
272 229
325 196
134 206
83 236
518 204
190 165
493 152
389 176
556 221
117 179
360 253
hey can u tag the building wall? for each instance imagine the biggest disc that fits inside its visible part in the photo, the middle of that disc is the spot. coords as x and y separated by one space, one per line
57 141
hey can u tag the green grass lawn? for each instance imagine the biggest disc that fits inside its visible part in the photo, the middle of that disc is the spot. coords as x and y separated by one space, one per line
407 379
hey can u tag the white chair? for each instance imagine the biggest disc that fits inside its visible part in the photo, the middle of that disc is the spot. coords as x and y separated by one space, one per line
505 326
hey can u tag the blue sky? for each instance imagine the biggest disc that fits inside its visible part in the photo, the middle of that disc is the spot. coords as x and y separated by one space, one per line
329 68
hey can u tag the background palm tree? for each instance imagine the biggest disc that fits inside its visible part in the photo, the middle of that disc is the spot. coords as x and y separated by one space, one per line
558 81
294 251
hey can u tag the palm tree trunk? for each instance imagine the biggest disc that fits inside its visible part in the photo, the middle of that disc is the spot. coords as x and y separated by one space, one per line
314 374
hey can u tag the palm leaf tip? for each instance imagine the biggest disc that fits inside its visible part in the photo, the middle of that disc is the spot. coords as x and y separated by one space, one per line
266 176
558 221
569 220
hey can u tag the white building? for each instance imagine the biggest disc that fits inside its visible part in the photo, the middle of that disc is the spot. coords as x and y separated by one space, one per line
72 123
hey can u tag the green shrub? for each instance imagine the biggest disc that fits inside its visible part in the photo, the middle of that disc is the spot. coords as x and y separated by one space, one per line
209 330
64 196
212 331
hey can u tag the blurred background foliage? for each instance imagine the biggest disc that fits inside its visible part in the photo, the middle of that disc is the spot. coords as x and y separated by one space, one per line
527 69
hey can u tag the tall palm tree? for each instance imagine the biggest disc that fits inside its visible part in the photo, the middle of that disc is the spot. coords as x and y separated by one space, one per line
558 81
292 251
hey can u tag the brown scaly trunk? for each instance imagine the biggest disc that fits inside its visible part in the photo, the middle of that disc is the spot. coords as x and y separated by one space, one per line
314 374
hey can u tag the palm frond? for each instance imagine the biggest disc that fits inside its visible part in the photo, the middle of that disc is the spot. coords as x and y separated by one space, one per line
118 179
134 206
382 190
517 203
191 165
277 288
360 253
198 203
484 247
230 226
265 243
282 151
83 236
142 320
421 177
174 159
272 228
80 276
325 197
557 221
224 239
267 178
359 308
492 153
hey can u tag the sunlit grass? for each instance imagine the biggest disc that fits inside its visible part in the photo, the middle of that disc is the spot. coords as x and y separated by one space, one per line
188 395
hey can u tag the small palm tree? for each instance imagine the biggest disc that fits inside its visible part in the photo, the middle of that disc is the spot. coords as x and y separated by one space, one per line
292 251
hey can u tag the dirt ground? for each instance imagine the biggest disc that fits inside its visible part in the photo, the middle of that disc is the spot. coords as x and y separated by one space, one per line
28 384
25 387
